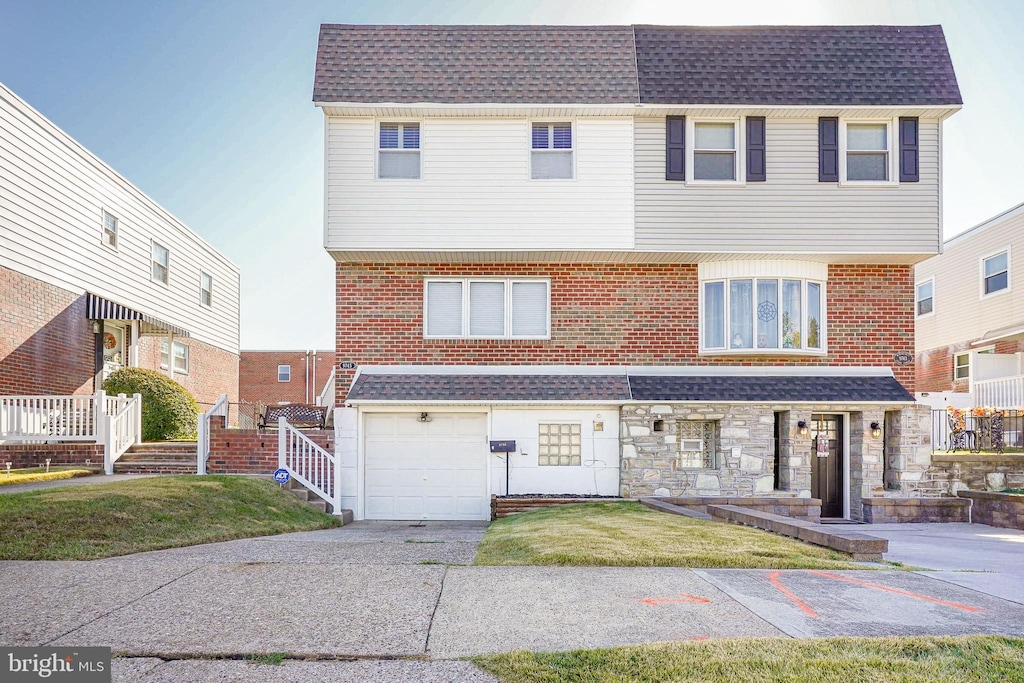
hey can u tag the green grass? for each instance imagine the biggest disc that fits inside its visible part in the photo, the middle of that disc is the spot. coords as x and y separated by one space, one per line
104 520
626 534
965 659
32 475
269 659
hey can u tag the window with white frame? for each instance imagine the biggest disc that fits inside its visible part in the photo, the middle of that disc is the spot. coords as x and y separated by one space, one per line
559 444
962 366
398 151
205 289
180 356
925 297
715 153
698 444
995 273
486 308
110 230
868 151
284 373
161 263
762 314
551 151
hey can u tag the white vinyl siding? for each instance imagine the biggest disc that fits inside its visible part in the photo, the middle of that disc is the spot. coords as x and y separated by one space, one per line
52 192
791 212
486 308
476 192
962 312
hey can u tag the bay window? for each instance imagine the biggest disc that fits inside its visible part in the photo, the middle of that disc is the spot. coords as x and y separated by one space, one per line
760 314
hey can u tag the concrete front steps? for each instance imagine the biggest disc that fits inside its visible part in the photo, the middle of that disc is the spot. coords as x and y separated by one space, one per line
158 457
310 498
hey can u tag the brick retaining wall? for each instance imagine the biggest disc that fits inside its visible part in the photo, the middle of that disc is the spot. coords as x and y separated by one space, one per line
503 507
808 509
35 455
248 451
1004 510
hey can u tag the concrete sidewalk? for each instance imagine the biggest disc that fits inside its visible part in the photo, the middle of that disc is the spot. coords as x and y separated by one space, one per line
403 592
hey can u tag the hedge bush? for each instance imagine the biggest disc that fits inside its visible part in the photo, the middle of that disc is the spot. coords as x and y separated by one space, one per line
168 411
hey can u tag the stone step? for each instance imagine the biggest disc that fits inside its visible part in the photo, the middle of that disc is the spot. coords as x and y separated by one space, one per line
154 467
156 456
310 498
164 447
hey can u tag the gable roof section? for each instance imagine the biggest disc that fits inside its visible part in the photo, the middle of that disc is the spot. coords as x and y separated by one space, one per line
754 65
476 64
795 65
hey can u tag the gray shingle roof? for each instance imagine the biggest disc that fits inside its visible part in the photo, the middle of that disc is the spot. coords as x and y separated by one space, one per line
415 387
802 65
761 65
772 388
457 64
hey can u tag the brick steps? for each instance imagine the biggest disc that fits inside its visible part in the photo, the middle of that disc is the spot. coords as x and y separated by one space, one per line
503 507
170 457
312 499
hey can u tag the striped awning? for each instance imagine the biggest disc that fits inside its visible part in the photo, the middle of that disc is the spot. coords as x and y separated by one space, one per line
98 308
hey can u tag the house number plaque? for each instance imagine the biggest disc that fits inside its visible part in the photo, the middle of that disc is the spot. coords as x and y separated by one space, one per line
903 357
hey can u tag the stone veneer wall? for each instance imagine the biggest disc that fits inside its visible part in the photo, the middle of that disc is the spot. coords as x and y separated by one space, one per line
1005 510
951 473
908 452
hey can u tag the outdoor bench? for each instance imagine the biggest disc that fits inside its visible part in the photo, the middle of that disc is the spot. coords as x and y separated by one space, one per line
299 415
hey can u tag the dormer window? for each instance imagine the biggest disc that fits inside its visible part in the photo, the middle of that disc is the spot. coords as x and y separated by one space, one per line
551 151
398 151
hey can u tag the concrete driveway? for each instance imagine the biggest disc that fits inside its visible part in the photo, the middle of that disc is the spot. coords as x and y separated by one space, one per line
401 599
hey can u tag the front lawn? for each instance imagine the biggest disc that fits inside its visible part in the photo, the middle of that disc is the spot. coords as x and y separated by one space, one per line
32 475
627 534
964 659
104 520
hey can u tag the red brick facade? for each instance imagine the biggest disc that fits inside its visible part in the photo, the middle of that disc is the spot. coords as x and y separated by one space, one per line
35 455
935 367
247 451
612 314
47 346
257 376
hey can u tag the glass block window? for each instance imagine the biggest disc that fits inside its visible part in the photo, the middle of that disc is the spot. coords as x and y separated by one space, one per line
560 444
697 444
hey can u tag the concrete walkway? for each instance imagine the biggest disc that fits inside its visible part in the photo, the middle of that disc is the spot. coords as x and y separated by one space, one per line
402 598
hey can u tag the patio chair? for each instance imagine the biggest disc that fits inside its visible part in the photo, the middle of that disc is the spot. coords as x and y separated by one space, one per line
959 435
998 444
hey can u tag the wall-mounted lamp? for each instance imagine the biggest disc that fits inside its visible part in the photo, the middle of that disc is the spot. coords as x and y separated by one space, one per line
876 430
424 417
803 427
95 326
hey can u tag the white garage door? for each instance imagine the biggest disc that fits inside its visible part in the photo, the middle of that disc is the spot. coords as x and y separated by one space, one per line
426 470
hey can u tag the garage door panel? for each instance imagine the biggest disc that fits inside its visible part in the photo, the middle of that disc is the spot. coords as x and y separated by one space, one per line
426 470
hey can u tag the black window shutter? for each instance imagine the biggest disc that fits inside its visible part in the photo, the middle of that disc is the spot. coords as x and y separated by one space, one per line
755 150
909 172
675 148
828 149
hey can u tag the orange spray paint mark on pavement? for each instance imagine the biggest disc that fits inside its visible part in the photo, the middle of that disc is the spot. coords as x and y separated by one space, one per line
683 598
774 578
954 605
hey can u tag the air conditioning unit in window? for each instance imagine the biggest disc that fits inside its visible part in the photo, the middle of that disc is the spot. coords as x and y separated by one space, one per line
691 445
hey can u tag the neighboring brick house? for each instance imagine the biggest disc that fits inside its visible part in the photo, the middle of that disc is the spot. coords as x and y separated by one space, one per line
970 317
95 276
662 260
270 377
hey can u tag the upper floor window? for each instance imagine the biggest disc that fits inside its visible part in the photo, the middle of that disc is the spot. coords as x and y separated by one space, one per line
551 151
284 373
205 289
925 297
161 263
109 230
486 308
398 151
762 314
715 150
867 151
995 273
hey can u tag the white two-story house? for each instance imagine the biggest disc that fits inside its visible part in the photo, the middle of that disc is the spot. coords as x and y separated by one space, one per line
628 260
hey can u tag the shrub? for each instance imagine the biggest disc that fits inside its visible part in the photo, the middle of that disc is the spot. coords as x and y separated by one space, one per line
168 411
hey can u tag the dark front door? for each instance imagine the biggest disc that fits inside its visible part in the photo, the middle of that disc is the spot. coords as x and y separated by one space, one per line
827 463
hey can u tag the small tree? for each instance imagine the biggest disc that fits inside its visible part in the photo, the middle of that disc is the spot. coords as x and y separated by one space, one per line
168 411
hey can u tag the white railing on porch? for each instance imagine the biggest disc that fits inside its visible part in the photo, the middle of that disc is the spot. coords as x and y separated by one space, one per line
219 409
326 397
1005 392
115 422
308 464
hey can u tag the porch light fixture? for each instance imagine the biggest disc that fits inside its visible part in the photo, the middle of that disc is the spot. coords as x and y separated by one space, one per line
803 427
424 417
95 326
876 430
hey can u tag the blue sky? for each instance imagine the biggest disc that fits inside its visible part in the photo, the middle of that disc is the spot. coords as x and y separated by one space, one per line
206 106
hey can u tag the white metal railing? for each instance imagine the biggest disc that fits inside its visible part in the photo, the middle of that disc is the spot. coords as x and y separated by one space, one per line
122 430
219 409
326 397
310 465
1005 392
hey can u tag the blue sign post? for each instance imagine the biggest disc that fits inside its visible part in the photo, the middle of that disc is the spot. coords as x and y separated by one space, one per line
281 476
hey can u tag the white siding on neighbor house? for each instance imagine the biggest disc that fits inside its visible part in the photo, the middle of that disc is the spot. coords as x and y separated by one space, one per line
961 313
475 191
52 196
791 212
